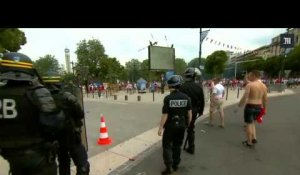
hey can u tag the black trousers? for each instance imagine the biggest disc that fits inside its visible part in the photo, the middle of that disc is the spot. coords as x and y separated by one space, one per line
172 141
30 162
74 149
191 131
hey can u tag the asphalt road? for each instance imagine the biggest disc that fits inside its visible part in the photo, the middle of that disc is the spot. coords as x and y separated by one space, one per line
123 121
219 151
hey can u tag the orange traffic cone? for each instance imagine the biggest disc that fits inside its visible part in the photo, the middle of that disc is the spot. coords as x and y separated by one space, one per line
103 137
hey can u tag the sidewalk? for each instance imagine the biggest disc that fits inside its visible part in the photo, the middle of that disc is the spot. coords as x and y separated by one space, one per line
110 160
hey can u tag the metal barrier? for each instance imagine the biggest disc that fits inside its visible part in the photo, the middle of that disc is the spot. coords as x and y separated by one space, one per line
277 87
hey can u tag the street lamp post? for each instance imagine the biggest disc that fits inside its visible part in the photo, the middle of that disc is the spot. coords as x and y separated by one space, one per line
202 36
72 63
200 48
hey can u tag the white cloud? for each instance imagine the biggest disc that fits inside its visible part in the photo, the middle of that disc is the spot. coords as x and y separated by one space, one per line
124 44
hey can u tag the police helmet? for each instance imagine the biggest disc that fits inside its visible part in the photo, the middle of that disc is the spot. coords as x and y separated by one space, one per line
16 66
191 72
174 81
52 77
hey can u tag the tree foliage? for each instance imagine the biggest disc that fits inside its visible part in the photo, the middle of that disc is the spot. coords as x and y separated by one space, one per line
215 63
272 66
111 70
293 59
145 72
180 66
11 39
195 62
47 63
133 68
91 53
253 65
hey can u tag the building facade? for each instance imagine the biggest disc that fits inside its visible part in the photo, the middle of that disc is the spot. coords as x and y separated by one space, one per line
275 49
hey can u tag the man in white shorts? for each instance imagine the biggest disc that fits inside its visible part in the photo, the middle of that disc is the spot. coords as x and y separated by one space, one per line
216 103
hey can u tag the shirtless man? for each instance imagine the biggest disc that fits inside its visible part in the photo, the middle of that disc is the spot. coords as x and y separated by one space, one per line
254 98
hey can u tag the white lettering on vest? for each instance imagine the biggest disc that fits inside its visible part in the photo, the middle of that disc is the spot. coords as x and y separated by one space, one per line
178 103
8 107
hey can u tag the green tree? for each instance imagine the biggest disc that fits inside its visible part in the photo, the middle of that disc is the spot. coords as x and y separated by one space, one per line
195 62
133 68
180 66
145 71
254 65
293 60
215 63
272 66
66 78
111 70
11 39
47 63
91 53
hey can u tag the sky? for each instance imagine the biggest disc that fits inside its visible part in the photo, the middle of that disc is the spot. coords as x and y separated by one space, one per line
127 43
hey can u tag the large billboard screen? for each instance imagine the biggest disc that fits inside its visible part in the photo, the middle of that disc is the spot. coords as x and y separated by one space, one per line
161 58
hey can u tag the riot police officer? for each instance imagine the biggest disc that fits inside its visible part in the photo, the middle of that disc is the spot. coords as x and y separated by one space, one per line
70 143
29 118
195 92
176 116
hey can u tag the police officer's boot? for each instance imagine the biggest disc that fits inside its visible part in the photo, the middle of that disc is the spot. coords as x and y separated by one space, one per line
175 167
84 170
191 142
167 171
190 150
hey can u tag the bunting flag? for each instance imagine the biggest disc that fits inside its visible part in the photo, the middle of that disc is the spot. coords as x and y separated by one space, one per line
226 45
203 35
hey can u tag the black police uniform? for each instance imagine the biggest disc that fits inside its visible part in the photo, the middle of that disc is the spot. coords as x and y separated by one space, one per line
28 118
195 92
28 115
176 105
70 143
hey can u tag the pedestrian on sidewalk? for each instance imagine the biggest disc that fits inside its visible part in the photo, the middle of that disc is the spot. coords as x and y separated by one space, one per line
195 92
216 103
254 99
176 116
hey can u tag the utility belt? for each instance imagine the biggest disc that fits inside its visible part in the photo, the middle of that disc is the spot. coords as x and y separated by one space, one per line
47 150
177 121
